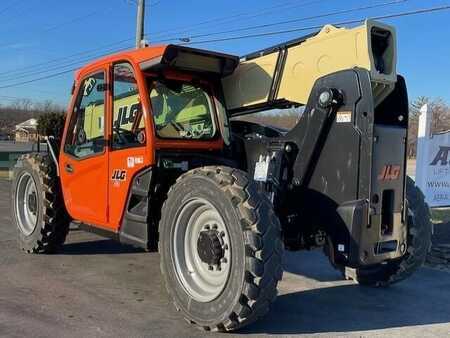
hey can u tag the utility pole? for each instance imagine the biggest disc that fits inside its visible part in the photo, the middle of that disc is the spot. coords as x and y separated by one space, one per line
140 23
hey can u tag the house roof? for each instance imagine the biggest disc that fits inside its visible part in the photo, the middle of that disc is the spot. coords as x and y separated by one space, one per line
28 124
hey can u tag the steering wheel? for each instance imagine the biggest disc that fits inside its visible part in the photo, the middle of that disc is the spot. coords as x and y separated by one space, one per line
81 137
122 138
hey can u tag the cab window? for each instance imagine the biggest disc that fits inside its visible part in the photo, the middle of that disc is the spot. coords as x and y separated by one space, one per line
128 123
182 111
85 136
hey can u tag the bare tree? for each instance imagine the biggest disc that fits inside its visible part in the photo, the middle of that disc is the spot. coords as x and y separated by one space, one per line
441 119
22 110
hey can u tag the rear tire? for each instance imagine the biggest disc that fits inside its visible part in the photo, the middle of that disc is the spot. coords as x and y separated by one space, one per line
419 243
37 205
222 198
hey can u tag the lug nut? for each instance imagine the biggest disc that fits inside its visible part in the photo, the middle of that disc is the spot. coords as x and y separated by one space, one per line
210 267
223 260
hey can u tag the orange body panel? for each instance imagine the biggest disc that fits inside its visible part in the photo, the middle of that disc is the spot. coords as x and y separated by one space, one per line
90 193
86 189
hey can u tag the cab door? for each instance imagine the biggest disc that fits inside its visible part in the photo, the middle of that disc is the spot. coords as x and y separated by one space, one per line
130 149
83 160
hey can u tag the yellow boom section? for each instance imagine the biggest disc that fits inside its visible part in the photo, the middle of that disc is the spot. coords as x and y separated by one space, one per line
295 69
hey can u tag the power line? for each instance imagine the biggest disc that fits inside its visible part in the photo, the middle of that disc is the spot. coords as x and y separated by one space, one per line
63 58
349 22
24 70
76 19
24 74
27 74
21 12
65 65
55 74
345 11
156 3
238 16
40 78
67 22
7 8
151 4
388 16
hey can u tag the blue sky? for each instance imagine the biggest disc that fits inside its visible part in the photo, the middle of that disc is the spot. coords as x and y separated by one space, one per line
40 37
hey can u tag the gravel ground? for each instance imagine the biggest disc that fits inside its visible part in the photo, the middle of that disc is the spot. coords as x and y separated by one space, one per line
439 256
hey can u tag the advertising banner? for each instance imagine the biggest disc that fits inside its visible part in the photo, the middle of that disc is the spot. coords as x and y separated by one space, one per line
433 162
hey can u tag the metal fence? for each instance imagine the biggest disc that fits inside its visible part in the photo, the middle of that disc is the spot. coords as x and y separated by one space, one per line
10 152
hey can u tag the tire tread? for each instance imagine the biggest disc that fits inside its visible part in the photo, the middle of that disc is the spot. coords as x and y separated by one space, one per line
55 221
263 246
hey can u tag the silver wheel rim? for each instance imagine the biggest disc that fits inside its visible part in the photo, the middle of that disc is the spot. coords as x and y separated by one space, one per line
26 204
203 282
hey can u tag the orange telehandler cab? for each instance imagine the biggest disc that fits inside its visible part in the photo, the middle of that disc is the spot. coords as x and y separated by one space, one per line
129 88
157 153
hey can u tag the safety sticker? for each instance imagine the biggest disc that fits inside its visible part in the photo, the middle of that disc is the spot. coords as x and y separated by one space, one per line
134 160
262 169
344 117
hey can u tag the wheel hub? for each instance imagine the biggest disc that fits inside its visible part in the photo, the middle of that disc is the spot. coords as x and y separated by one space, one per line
209 247
32 202
201 250
26 204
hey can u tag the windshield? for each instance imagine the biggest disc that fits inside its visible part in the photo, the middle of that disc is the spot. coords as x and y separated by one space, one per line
182 111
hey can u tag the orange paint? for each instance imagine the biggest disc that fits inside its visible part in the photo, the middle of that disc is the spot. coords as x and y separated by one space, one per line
91 194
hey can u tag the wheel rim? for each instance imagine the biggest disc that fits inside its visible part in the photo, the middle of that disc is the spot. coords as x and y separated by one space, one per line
200 225
26 204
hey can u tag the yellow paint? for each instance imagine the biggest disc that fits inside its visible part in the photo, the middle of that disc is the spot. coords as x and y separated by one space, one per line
331 50
250 83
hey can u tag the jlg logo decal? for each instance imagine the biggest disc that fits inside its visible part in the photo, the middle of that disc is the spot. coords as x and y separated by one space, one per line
126 115
389 173
119 175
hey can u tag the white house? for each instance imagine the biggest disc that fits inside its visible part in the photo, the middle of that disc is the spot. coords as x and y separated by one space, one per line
27 131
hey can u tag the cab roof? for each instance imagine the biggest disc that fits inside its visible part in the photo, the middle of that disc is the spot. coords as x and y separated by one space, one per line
160 57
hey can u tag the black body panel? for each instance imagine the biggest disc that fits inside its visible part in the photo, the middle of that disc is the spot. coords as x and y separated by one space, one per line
324 172
135 229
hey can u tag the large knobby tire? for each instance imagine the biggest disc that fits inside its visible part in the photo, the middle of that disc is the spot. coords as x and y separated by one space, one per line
37 205
419 243
224 206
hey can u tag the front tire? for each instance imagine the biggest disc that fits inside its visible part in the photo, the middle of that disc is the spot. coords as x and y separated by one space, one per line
220 246
37 205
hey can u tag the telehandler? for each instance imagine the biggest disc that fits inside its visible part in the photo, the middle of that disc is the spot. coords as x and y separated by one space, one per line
157 153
